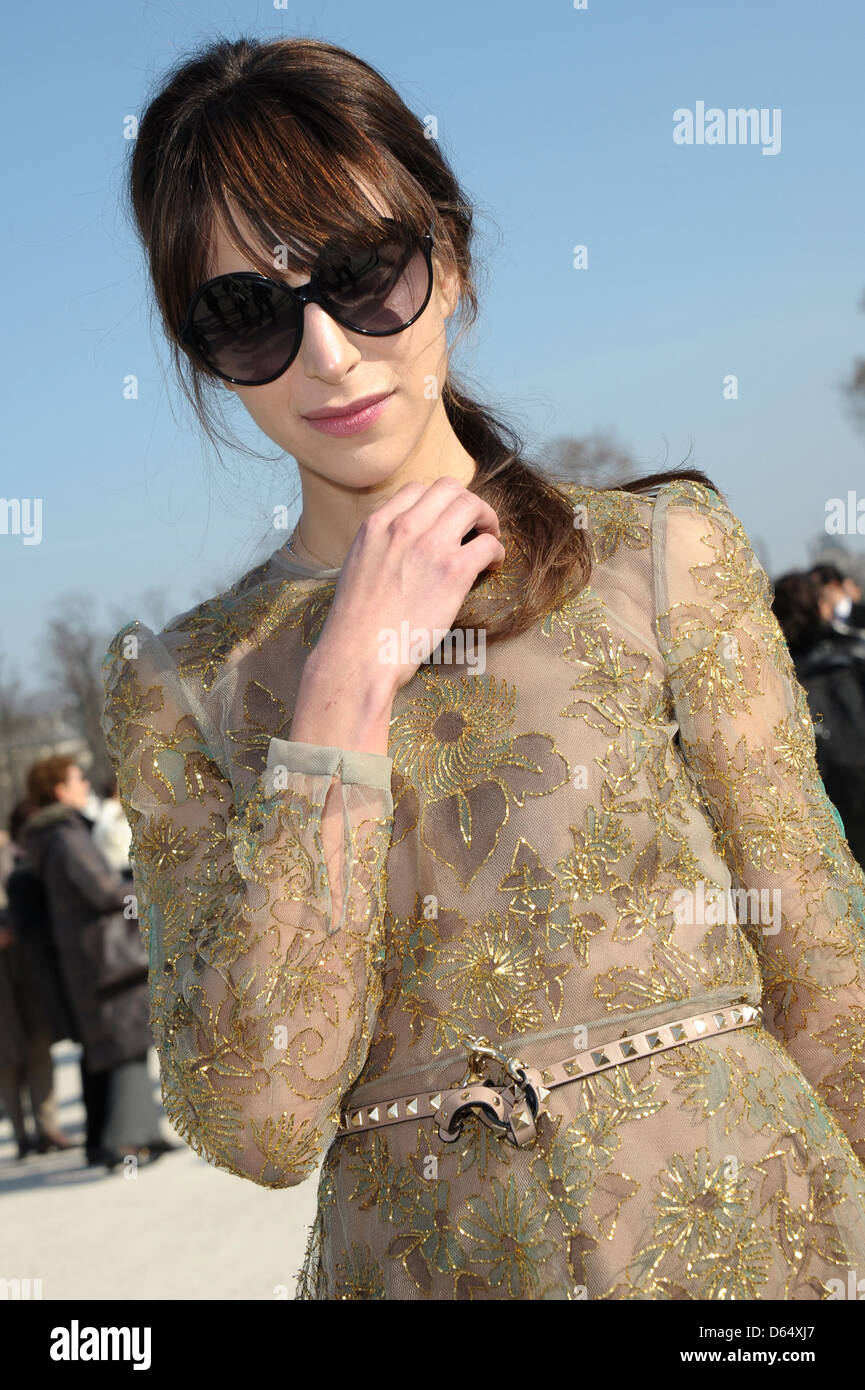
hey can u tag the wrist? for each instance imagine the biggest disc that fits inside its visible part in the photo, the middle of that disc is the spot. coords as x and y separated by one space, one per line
373 684
340 706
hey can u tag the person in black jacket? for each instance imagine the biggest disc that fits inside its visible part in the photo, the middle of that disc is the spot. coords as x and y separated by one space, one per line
113 1023
830 665
34 1012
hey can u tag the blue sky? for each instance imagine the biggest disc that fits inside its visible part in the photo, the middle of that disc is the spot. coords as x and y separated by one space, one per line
703 261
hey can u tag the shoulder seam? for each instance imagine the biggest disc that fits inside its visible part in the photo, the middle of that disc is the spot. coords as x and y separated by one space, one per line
167 666
215 743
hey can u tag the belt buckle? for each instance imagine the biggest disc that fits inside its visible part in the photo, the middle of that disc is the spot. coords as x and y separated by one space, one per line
510 1109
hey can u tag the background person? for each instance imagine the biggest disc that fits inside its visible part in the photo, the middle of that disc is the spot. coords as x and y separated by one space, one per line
111 830
83 892
841 596
830 664
33 1009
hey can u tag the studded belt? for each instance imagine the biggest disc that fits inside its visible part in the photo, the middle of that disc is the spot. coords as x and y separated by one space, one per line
512 1107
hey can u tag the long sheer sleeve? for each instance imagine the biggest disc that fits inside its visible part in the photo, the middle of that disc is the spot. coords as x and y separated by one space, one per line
746 734
262 907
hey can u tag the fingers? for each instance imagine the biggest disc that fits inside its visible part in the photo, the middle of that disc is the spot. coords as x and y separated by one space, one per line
467 512
485 550
445 506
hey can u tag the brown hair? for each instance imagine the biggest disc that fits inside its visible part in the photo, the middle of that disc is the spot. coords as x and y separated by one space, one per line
45 775
827 574
283 129
796 605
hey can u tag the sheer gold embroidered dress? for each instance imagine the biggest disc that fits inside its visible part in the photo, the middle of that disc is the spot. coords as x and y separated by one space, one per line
514 867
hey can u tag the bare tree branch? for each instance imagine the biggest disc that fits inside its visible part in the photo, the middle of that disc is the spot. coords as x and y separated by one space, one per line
74 650
596 460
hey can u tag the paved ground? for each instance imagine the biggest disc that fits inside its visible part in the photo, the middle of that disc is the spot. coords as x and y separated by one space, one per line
179 1229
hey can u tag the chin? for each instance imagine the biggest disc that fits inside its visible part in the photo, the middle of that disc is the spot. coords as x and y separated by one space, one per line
362 471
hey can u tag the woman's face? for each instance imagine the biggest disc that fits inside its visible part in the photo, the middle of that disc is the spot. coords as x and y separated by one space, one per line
335 367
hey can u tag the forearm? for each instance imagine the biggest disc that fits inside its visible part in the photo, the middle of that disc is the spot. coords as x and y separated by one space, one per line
340 704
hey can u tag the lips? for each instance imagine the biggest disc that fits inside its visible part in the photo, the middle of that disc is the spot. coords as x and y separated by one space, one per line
337 412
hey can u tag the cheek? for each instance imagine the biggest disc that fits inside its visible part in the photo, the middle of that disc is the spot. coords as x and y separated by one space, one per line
268 405
422 352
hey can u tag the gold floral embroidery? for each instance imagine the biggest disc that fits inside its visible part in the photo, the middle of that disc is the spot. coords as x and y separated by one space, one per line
450 746
512 866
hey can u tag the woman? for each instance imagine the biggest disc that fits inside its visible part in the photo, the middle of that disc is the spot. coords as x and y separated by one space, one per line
83 893
830 664
355 862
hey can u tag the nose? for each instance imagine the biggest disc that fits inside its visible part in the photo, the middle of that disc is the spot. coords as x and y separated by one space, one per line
325 348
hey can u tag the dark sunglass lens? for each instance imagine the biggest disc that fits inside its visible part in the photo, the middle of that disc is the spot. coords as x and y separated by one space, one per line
245 327
378 289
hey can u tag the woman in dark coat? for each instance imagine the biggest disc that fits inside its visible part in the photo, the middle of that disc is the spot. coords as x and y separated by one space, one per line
113 1024
33 1009
830 664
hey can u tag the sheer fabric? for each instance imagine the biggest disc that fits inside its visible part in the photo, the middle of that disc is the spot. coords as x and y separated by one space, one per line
548 853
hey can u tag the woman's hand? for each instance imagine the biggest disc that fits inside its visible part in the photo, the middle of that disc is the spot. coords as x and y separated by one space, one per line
406 565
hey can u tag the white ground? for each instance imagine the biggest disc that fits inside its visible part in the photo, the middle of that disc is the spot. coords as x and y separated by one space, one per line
179 1229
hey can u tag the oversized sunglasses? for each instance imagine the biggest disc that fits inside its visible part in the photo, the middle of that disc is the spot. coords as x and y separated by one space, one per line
247 328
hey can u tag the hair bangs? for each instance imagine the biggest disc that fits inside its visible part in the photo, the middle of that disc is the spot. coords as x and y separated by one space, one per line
298 197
